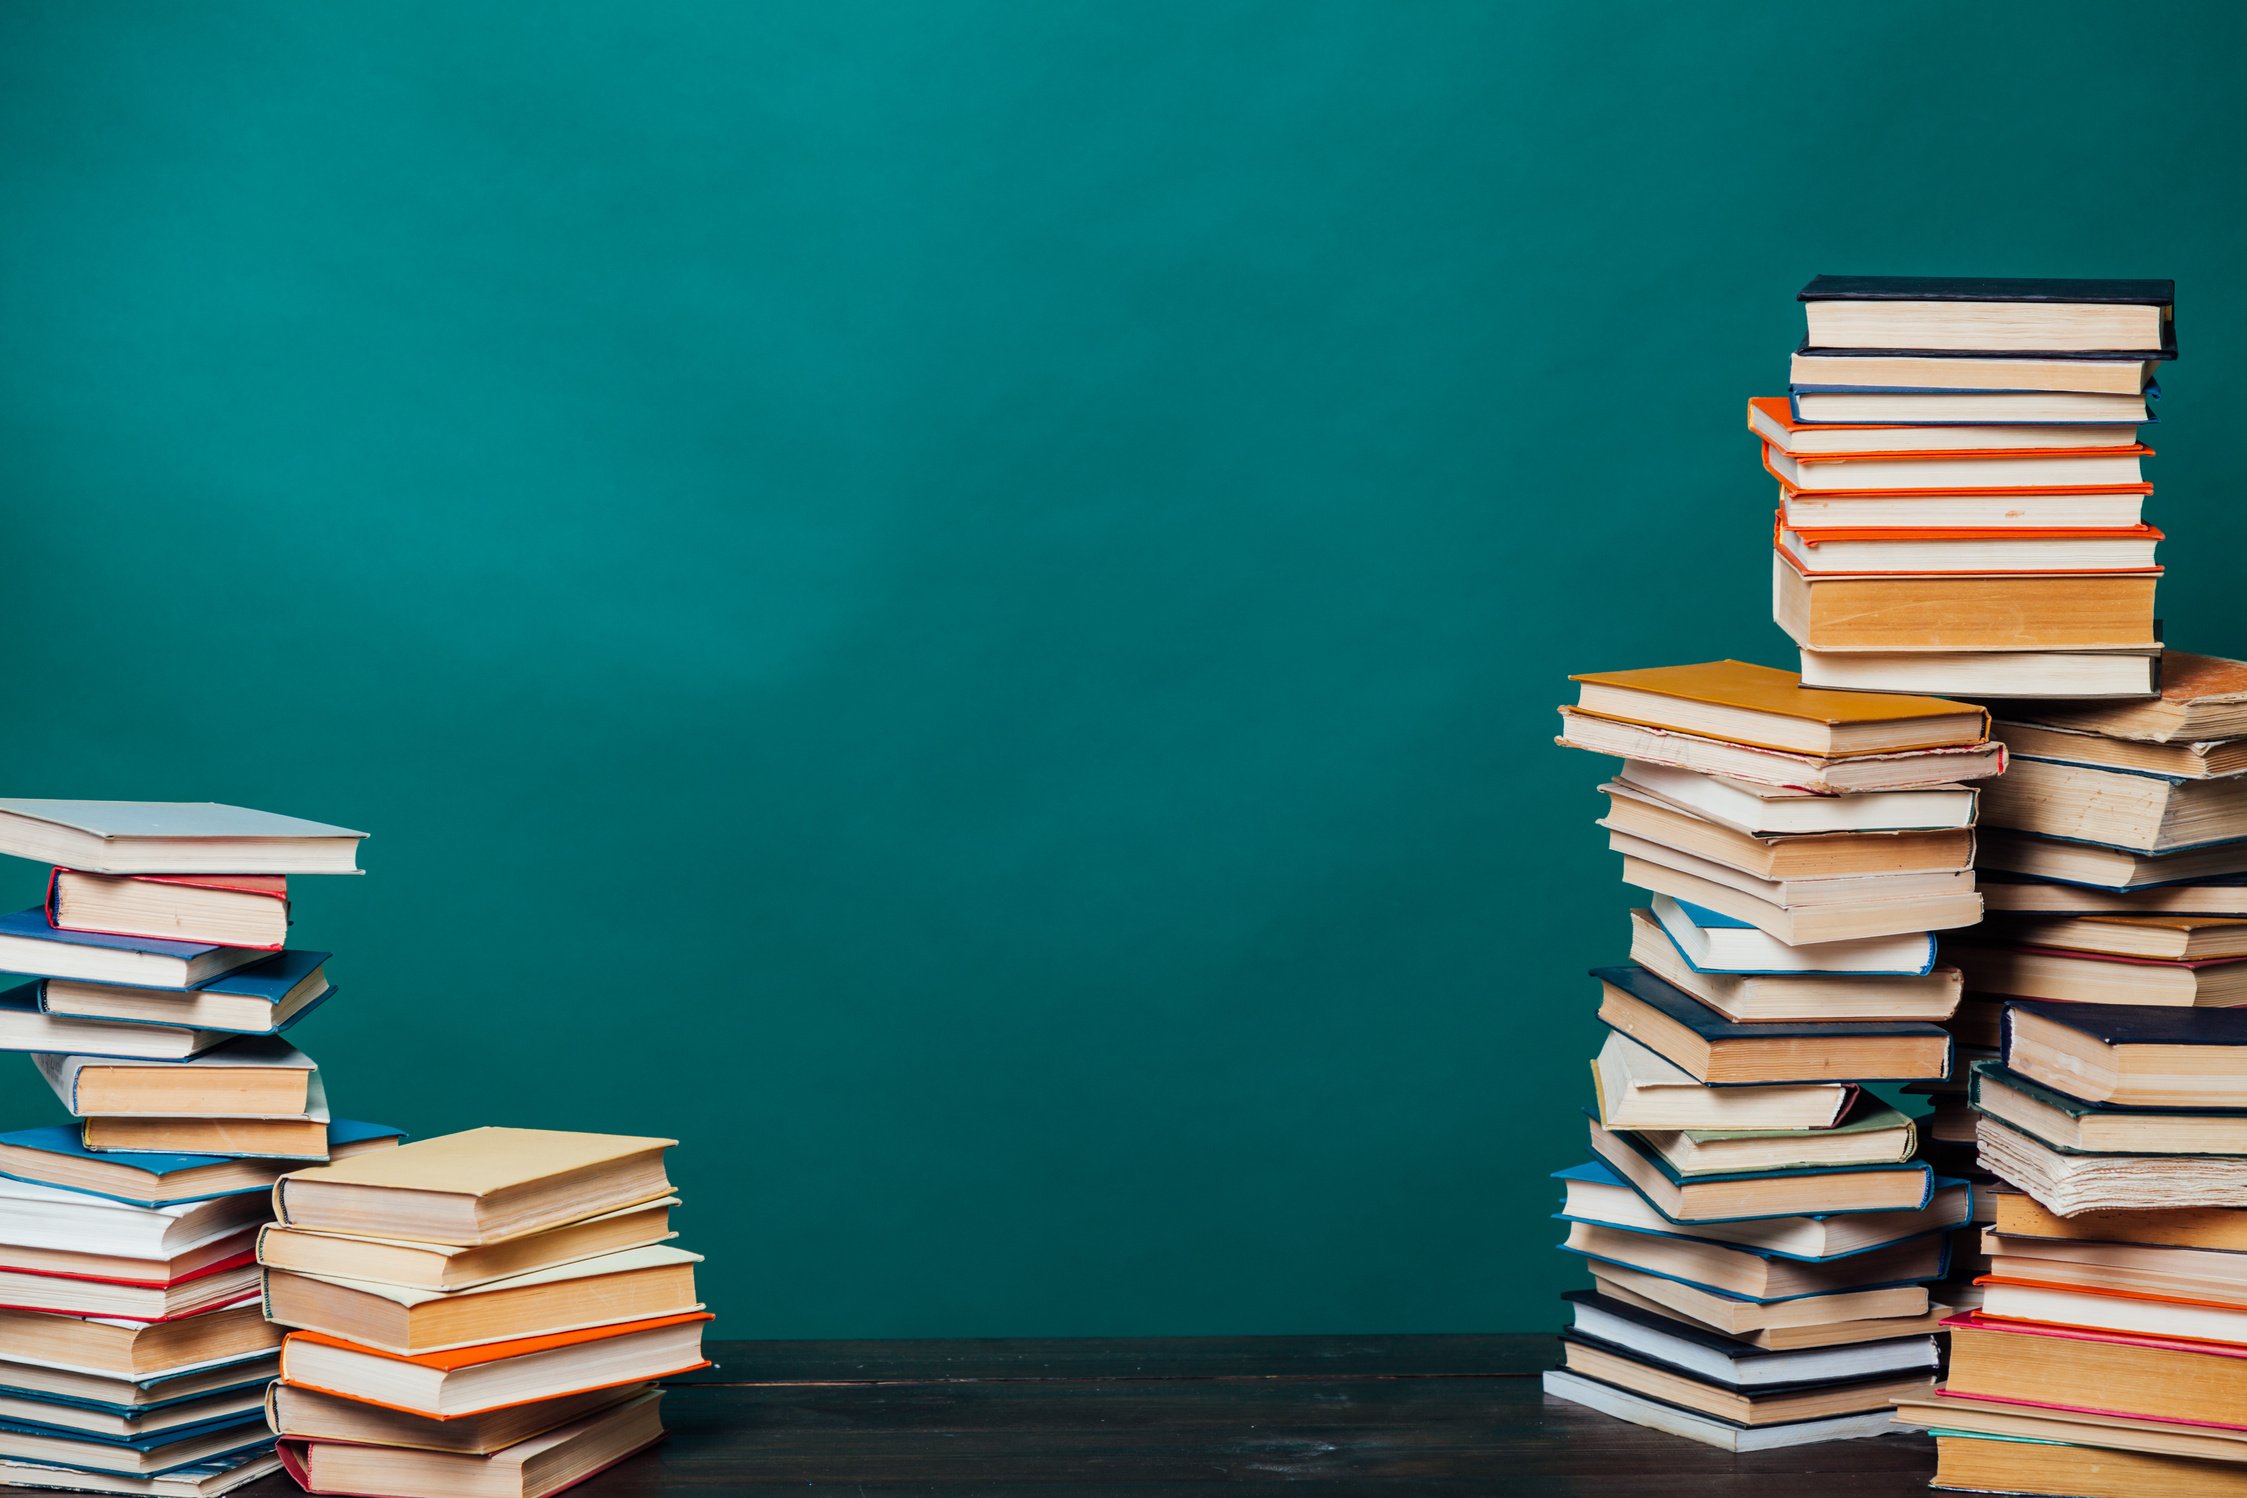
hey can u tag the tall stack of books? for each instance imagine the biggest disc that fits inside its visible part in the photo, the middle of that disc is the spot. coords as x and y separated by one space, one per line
1759 1234
1961 486
2106 1356
483 1312
134 1355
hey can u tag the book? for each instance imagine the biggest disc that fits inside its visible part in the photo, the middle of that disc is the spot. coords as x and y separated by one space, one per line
1603 1195
2042 1466
54 1155
1749 1407
1641 1409
2112 1268
1764 1193
1909 770
223 1283
160 1269
1635 1088
1773 811
2019 1215
173 837
1741 1272
1872 1133
1779 420
493 1376
2072 1126
148 1396
133 1349
2203 698
1998 675
2169 938
631 1285
436 1266
1808 997
2100 867
544 1464
1850 550
476 1187
2098 977
296 1141
1718 1051
2136 1312
1804 912
2220 894
1738 1317
2125 809
1714 942
2132 1055
2107 508
1767 708
1977 370
24 1027
2071 1183
56 1218
1981 418
2184 760
145 1456
1650 1292
251 1076
1952 1412
197 1480
222 910
1979 314
261 998
1731 1364
2035 469
1890 613
30 946
1782 856
1596 1192
313 1416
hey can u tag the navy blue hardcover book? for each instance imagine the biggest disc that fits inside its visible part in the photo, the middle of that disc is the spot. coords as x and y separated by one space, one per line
1674 1004
2135 1024
2147 293
19 1149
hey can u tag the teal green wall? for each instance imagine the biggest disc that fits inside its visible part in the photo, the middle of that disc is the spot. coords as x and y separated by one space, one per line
959 604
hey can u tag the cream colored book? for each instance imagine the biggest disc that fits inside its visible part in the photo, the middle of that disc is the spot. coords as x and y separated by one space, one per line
477 1187
638 1283
440 1266
255 1076
529 1469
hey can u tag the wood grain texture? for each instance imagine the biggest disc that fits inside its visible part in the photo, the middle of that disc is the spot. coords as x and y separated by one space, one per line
1433 1415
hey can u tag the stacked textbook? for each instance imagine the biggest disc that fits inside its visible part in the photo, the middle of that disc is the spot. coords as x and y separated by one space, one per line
483 1313
1961 486
1758 1230
134 1355
2108 1352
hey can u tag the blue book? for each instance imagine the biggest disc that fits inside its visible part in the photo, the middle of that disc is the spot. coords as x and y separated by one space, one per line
1813 1236
30 946
1711 942
154 1441
26 1026
227 1381
263 998
216 1449
56 1155
1719 1052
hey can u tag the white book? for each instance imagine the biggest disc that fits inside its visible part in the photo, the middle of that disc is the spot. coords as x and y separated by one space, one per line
2088 469
173 837
1719 945
1987 675
84 1083
1707 1429
1774 811
1743 1365
50 1217
1640 1089
1696 881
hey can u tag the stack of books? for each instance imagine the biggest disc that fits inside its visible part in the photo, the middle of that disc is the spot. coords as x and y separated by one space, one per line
1961 486
134 1355
1758 1229
2105 1355
484 1312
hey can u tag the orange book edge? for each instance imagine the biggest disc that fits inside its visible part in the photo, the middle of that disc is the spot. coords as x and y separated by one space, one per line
1781 410
492 1352
2114 1294
1819 535
1782 535
1788 491
1809 574
2113 450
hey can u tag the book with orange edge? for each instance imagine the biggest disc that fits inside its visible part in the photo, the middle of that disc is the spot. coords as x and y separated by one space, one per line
1789 492
458 1358
1774 407
1903 464
1793 541
1766 707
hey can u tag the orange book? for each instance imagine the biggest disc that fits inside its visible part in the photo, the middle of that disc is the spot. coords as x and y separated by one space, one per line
1903 611
496 1375
1982 550
1767 708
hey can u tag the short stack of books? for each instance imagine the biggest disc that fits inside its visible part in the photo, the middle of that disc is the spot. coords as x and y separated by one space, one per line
1961 486
134 1354
1758 1230
484 1312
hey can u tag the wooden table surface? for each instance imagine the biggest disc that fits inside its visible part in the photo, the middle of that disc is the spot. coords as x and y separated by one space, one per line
1428 1415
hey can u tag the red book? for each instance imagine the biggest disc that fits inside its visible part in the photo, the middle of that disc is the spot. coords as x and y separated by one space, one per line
219 910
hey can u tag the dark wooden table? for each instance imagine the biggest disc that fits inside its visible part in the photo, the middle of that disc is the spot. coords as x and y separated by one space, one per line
1183 1416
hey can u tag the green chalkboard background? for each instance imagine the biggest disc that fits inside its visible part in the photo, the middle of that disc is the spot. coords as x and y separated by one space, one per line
959 604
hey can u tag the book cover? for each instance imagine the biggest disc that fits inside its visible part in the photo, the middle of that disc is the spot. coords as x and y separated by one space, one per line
1767 689
1675 1003
2136 1024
